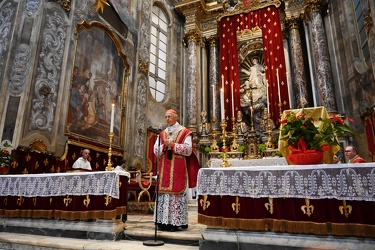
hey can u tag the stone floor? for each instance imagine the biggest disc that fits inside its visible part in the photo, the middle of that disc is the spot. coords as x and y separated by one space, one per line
139 233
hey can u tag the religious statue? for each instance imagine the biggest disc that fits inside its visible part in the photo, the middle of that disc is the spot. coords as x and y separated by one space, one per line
254 90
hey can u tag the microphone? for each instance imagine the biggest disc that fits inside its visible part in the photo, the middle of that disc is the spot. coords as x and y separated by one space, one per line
169 153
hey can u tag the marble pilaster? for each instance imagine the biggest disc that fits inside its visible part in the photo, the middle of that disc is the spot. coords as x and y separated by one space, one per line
297 63
321 55
191 86
214 80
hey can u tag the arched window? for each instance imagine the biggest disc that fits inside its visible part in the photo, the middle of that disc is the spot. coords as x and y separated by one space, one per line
158 53
361 29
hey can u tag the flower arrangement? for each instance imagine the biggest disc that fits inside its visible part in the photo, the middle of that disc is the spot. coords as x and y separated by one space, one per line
302 135
5 158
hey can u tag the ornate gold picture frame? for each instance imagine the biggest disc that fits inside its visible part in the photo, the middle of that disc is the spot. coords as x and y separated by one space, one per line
99 79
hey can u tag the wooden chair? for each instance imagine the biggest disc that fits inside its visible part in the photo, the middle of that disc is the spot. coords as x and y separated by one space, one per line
139 184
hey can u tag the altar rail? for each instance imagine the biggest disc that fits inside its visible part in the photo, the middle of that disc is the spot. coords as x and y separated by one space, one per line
69 196
316 199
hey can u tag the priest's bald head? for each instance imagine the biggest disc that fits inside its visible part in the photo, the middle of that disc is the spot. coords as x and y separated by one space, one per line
171 117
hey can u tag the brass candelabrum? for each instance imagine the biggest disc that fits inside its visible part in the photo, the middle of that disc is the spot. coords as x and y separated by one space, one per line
225 162
234 146
269 144
280 111
109 165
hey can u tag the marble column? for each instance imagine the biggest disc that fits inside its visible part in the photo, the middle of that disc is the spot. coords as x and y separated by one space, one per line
321 55
191 85
299 77
214 81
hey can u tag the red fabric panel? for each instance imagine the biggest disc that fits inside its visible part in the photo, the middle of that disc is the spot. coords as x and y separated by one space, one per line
370 134
268 20
327 216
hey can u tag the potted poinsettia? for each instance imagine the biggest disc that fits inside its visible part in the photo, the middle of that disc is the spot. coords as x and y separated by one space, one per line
311 136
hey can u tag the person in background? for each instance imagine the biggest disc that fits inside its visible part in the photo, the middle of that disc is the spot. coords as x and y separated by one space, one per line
121 165
351 154
83 162
178 170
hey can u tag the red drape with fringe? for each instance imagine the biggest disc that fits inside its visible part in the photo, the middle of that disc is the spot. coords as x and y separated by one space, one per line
268 20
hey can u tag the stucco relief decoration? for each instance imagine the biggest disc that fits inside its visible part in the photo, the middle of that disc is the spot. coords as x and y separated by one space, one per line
98 81
6 15
144 59
31 6
49 71
141 119
19 69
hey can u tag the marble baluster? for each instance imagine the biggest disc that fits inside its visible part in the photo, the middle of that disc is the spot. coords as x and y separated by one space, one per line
191 87
214 79
297 63
321 55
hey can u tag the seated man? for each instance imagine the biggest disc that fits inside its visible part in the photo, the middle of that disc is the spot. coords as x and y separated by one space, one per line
83 162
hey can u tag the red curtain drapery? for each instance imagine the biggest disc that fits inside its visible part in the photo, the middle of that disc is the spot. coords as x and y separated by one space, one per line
370 134
268 20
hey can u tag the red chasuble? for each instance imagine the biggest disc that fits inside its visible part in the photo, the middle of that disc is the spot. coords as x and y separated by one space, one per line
173 172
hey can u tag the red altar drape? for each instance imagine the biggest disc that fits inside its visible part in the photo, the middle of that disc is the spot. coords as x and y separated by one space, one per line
370 134
268 20
286 215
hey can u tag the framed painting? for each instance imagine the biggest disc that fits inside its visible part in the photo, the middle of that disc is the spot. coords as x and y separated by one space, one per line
99 79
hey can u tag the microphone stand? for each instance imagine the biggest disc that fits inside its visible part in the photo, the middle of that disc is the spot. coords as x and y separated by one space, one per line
156 242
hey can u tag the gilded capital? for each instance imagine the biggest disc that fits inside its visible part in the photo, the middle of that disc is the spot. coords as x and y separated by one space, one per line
212 40
192 35
293 22
368 21
312 6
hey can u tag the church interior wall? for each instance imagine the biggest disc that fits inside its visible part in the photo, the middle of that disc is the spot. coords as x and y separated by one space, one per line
27 38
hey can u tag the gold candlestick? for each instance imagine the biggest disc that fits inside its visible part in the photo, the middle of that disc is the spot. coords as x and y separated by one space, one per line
269 144
225 162
280 112
234 146
109 165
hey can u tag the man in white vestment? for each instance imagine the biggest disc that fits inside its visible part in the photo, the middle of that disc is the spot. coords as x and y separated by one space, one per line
83 162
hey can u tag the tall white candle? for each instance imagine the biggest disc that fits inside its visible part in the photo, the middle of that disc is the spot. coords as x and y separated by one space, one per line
213 100
222 81
268 99
278 84
112 118
222 104
231 86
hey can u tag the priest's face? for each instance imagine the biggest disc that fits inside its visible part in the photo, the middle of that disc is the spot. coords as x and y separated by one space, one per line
350 153
170 118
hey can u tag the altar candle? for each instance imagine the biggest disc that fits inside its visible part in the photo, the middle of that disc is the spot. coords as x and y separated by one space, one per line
213 100
112 118
231 86
278 84
222 104
222 81
268 99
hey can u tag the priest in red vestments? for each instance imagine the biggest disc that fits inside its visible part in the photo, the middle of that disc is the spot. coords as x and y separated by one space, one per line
177 170
351 154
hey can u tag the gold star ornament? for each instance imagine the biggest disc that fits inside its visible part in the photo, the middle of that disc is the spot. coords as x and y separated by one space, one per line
100 5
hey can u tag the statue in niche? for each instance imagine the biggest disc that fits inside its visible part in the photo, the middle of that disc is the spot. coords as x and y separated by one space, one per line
254 89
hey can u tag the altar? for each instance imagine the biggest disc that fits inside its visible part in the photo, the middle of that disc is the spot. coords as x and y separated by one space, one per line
321 199
87 203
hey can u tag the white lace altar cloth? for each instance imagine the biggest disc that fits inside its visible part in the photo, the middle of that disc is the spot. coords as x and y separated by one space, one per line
61 184
272 161
338 181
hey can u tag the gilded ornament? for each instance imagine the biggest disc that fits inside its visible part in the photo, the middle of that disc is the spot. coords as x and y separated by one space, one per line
99 4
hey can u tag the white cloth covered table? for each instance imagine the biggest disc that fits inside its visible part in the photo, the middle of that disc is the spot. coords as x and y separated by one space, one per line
338 181
61 184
